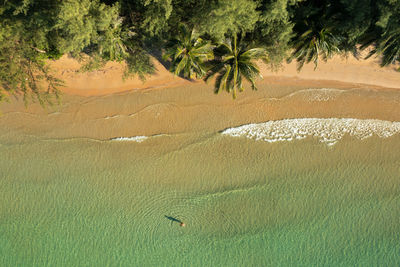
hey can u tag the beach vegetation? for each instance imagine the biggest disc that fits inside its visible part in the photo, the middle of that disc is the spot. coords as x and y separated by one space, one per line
227 18
188 52
388 47
23 69
314 44
384 37
34 32
234 62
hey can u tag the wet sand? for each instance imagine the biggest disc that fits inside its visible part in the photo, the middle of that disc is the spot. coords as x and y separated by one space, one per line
100 105
194 108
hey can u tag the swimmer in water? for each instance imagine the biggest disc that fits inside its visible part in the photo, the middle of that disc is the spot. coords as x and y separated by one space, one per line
172 219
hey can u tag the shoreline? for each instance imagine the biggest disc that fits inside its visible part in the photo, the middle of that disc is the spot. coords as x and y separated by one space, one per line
170 105
192 109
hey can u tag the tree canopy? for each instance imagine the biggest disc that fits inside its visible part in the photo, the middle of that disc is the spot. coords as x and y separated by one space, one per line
96 31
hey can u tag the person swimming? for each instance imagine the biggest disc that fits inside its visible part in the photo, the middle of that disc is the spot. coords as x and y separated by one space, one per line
172 219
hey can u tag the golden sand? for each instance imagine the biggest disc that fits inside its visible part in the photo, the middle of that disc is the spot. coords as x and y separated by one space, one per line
101 105
342 69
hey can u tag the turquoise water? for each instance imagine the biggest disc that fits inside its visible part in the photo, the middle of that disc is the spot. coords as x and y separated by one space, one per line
83 202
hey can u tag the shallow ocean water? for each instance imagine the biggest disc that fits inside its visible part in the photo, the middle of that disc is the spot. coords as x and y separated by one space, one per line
104 181
82 202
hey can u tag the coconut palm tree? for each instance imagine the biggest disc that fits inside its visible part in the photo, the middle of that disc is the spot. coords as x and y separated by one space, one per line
389 47
187 53
233 63
313 44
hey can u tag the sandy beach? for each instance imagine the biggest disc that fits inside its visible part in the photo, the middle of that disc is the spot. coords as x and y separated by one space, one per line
341 69
102 105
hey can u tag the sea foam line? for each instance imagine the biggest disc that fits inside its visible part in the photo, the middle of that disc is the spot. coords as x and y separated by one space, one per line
328 131
137 139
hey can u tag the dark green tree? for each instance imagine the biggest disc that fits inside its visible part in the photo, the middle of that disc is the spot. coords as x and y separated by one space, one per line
92 28
274 29
148 17
226 18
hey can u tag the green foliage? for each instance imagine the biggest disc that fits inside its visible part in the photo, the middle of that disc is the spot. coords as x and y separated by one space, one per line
23 70
388 47
156 16
234 62
33 31
90 26
226 17
149 17
139 63
350 18
387 41
98 31
312 45
274 28
187 53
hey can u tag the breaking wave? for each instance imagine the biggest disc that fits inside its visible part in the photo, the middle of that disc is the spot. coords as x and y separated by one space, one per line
328 131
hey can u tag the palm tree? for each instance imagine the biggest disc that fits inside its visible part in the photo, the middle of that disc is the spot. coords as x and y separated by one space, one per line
234 62
313 44
187 53
388 47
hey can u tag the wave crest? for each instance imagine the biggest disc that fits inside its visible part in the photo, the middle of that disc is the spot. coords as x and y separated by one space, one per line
328 131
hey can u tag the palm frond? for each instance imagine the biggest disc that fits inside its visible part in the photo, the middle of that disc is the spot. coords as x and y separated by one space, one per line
181 65
232 61
313 44
188 53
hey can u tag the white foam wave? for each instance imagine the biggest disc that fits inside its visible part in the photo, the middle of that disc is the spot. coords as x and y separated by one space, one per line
328 131
137 139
